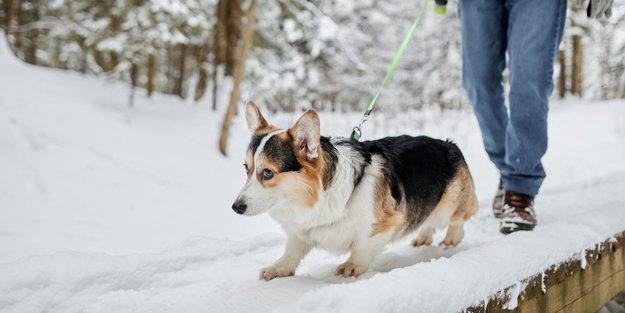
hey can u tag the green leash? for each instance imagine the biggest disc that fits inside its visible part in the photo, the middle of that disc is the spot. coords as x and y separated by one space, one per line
357 131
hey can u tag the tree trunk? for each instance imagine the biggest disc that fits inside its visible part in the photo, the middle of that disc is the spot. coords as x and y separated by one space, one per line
562 75
216 78
227 34
99 59
623 84
238 71
170 70
220 31
113 60
13 22
31 52
83 58
151 71
220 45
182 59
3 14
30 55
576 74
233 34
200 87
333 97
134 73
13 8
56 58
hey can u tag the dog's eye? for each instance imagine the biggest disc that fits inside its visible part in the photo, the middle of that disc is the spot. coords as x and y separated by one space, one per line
247 169
267 174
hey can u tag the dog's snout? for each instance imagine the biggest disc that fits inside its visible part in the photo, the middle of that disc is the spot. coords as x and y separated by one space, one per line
239 206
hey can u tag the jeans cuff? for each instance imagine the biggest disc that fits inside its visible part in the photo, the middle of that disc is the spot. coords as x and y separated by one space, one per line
524 185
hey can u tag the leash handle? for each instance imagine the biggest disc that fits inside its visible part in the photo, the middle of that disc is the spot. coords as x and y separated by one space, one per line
357 131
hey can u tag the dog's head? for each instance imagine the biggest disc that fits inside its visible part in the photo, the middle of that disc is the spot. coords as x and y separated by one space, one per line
283 167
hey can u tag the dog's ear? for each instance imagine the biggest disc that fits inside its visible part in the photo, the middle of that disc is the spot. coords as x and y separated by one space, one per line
306 134
254 119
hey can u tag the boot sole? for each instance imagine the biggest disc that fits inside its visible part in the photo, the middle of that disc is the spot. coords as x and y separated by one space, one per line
511 227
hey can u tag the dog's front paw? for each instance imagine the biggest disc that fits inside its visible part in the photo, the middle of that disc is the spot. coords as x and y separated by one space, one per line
348 269
422 241
271 272
449 242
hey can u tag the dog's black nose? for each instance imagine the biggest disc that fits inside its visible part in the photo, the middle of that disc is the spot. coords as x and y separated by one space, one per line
239 206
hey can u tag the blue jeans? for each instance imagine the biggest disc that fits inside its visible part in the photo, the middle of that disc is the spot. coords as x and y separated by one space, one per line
530 32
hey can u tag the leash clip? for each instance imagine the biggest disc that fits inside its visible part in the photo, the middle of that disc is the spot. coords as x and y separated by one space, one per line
356 133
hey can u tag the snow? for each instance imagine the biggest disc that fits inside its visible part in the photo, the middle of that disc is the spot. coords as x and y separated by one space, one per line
106 208
582 257
514 294
327 28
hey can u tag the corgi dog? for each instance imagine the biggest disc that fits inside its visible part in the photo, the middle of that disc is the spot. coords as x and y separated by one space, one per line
344 196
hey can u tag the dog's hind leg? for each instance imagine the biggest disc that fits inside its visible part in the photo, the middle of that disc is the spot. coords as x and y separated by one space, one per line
465 202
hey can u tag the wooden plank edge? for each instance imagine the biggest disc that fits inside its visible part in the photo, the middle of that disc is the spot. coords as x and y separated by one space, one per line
571 286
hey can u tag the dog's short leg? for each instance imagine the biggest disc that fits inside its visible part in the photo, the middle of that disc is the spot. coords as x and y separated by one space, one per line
455 233
354 266
362 252
424 238
294 252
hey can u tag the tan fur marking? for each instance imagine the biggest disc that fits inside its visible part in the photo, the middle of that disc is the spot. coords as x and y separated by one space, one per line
386 211
249 161
451 198
322 171
459 200
306 188
467 204
445 207
268 129
265 129
311 172
264 163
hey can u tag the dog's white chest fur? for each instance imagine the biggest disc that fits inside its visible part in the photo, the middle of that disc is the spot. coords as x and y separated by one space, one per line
343 213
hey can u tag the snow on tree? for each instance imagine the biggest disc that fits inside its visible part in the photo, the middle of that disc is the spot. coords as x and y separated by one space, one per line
325 54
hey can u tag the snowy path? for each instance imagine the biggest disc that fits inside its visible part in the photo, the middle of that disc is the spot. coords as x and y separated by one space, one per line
217 275
110 209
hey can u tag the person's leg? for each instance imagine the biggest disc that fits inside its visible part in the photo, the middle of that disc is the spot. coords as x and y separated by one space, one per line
484 27
534 33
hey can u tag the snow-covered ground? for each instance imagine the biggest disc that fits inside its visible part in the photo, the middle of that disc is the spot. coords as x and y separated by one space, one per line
106 208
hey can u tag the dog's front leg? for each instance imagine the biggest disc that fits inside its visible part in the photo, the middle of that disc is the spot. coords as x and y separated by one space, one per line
294 252
363 251
357 263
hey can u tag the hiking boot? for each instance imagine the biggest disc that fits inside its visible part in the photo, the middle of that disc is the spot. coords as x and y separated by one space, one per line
498 201
518 213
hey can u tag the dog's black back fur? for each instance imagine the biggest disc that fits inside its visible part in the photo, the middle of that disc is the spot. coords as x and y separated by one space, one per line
418 170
